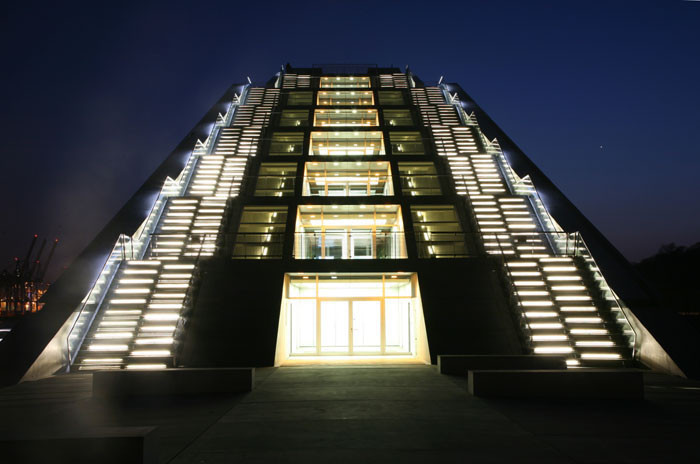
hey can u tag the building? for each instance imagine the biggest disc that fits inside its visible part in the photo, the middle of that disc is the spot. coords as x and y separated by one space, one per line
346 211
22 288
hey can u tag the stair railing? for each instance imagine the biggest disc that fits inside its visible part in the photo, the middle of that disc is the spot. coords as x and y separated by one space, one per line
122 251
513 290
617 307
189 299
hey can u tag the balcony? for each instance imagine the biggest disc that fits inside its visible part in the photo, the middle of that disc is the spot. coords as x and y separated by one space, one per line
347 179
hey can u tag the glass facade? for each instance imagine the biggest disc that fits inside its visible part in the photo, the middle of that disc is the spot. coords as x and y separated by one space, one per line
294 118
345 98
347 143
260 233
419 179
276 180
346 118
407 143
298 98
398 118
286 143
345 82
349 232
391 97
351 314
438 231
340 181
343 179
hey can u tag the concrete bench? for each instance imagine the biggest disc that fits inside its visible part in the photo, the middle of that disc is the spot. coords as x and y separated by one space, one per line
118 383
106 445
568 384
455 364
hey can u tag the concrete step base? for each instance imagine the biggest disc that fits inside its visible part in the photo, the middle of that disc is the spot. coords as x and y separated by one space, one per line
627 384
119 383
459 364
108 445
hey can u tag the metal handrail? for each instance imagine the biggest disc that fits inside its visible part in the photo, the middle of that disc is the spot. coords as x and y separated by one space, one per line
96 294
170 188
508 275
511 286
190 289
603 285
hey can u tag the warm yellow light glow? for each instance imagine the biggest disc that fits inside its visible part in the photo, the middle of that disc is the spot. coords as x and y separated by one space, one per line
108 348
161 317
595 343
154 341
549 338
151 353
553 349
145 366
114 335
600 356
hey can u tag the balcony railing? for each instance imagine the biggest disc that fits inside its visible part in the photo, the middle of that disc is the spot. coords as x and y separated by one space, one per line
349 245
122 251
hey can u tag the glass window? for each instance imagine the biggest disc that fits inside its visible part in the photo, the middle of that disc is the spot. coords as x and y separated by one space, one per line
349 232
355 82
325 312
276 180
398 118
286 143
261 232
345 97
297 98
347 143
419 179
346 118
406 143
438 231
391 97
294 118
343 179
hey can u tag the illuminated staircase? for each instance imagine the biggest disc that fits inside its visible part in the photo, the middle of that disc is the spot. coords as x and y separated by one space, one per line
564 303
139 313
138 322
563 316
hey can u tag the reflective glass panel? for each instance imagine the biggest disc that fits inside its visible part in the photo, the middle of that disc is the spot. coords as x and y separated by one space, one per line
286 143
419 179
294 118
355 82
335 326
349 232
346 118
438 231
297 98
347 178
406 143
261 232
345 97
391 97
276 180
347 143
345 314
398 118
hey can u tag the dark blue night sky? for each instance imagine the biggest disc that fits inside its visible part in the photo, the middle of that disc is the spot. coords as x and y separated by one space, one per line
603 95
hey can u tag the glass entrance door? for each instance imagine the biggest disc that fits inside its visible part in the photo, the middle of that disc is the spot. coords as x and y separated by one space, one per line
350 314
350 327
335 327
366 326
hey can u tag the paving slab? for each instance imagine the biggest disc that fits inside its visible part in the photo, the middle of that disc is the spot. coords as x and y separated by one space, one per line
372 414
